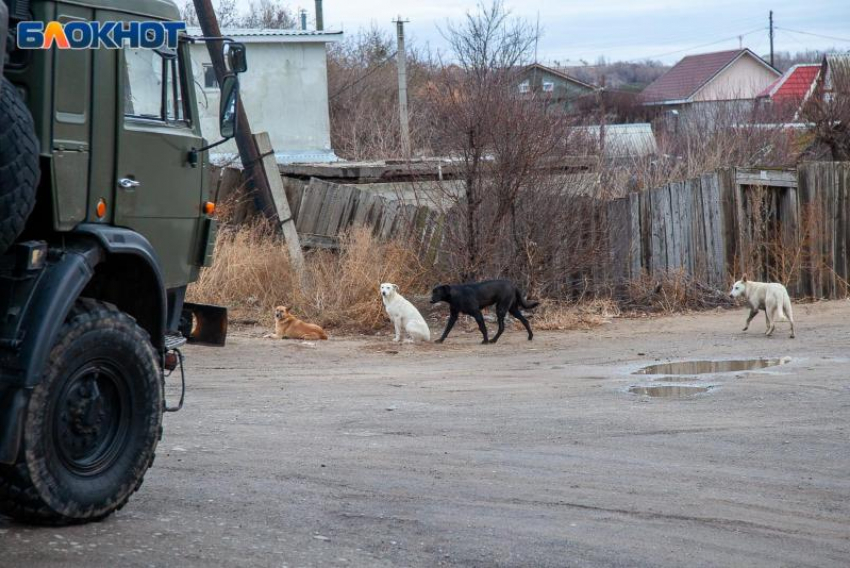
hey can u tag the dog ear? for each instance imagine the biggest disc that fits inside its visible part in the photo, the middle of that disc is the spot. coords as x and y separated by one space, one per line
395 287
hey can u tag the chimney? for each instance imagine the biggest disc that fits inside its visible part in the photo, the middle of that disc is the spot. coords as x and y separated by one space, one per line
320 16
303 20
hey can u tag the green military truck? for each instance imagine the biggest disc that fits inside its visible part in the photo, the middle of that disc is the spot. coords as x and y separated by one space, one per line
103 224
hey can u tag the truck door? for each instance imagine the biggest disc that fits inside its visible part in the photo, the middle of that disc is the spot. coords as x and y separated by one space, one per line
158 193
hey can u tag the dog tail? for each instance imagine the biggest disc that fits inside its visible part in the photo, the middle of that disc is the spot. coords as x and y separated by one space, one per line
525 304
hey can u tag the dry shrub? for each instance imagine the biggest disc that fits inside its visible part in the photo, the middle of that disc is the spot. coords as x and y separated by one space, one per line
252 274
553 315
673 292
342 288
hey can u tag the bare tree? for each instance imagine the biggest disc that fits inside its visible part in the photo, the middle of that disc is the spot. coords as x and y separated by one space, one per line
269 14
363 95
828 108
512 207
188 13
228 13
265 14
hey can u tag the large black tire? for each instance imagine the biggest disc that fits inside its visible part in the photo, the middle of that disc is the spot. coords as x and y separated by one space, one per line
92 424
19 170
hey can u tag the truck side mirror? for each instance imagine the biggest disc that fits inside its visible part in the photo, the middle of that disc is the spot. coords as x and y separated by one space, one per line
237 59
227 107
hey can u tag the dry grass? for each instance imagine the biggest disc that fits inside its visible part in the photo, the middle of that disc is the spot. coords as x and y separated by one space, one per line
342 288
552 315
674 292
252 274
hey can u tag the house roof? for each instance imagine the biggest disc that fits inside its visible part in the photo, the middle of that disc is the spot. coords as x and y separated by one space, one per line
625 140
561 74
690 74
794 84
245 35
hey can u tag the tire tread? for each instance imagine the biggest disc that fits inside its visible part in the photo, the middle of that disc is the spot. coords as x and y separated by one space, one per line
19 497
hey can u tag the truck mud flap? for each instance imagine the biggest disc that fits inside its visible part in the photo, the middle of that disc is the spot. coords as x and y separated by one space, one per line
203 324
13 406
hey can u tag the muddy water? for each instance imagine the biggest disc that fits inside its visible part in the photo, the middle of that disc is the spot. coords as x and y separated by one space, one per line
668 391
703 367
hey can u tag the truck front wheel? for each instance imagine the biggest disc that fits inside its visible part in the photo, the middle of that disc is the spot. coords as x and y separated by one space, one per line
92 424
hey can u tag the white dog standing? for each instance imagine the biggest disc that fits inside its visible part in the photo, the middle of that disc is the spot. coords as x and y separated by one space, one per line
770 297
404 315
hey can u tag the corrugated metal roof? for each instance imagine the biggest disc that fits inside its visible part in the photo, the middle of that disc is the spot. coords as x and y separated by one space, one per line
249 35
685 78
626 140
794 84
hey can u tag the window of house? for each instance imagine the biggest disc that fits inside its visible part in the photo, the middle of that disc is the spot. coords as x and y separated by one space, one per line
210 82
524 87
152 86
548 86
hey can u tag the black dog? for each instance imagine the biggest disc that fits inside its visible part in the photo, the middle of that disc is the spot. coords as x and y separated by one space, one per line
471 298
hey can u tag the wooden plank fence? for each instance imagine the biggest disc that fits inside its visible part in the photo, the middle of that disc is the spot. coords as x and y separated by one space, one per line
791 226
777 225
323 211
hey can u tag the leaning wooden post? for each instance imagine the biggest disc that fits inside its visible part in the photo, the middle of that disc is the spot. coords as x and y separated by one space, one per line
280 203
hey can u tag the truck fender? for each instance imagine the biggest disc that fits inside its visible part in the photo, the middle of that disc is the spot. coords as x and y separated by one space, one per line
127 248
53 295
55 291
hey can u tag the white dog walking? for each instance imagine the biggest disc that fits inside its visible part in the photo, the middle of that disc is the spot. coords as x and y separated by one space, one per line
405 316
770 297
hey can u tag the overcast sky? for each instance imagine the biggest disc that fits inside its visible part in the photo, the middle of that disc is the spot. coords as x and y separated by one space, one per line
575 30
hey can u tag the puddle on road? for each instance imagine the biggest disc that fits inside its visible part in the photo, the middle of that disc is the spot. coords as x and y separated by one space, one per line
668 391
704 367
676 379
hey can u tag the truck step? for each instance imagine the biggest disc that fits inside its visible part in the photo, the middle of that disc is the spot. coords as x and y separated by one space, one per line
174 341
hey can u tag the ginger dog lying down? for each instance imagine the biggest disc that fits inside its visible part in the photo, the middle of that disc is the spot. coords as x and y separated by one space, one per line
287 326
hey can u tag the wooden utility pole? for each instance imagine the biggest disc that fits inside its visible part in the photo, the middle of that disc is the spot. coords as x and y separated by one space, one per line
401 58
251 160
771 38
282 211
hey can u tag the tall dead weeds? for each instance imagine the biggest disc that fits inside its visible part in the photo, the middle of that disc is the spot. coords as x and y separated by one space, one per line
252 274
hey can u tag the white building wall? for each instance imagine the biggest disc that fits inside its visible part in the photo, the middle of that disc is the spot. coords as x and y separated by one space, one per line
285 93
744 79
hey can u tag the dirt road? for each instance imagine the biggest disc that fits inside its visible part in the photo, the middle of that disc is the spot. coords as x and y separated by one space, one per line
357 452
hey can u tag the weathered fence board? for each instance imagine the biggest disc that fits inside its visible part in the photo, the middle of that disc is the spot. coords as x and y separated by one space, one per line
660 210
619 227
841 229
716 229
634 237
720 225
327 210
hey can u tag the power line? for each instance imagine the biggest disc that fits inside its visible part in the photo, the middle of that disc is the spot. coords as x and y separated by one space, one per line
630 40
734 37
813 34
648 57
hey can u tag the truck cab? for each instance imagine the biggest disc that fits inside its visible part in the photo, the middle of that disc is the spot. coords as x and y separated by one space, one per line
103 186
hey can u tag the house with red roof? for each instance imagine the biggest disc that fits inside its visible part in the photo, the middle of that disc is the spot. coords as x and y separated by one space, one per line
785 95
723 76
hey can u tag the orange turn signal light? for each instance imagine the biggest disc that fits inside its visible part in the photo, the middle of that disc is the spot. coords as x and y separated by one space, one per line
209 207
101 209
